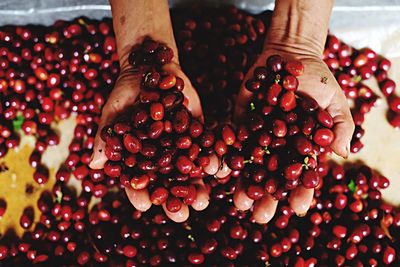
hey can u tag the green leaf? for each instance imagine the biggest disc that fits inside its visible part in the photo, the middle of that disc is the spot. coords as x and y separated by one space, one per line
352 186
252 106
357 79
59 196
17 122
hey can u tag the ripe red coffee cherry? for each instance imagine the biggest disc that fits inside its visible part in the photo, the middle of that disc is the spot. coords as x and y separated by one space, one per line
195 258
167 82
132 143
387 87
394 104
324 118
157 111
273 94
173 204
293 171
310 179
294 67
253 85
260 73
228 135
323 137
275 63
184 164
164 55
288 101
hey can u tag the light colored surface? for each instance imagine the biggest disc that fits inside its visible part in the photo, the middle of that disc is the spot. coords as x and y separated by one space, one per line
19 174
382 142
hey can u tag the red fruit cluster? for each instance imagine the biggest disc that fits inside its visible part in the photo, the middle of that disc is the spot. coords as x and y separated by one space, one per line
159 145
347 224
283 135
46 75
229 61
217 69
49 73
351 67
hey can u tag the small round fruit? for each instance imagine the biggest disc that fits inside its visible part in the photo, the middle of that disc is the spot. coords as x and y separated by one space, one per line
323 137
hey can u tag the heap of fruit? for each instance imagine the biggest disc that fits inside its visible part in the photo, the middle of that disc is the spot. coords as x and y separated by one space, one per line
283 135
158 145
48 74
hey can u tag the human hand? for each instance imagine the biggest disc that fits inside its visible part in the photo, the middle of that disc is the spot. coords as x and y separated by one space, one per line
123 96
319 83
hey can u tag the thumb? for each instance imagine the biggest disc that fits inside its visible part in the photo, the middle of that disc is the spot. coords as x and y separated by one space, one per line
343 125
122 96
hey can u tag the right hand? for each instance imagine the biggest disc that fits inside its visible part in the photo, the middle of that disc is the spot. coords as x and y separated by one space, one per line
329 96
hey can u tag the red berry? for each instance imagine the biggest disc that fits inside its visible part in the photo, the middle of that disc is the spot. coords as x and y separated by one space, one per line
290 83
394 104
288 101
294 67
132 143
293 171
324 118
323 137
167 82
184 164
310 179
157 111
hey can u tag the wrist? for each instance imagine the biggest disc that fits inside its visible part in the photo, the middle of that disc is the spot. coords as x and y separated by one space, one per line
135 20
296 28
291 42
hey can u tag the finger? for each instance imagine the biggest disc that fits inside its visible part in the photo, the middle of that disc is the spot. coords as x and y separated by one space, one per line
98 158
343 124
120 98
264 209
240 198
212 167
331 98
194 104
203 199
140 199
179 216
300 200
223 171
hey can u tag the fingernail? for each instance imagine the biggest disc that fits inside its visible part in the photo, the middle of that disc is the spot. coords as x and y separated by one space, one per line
91 157
302 214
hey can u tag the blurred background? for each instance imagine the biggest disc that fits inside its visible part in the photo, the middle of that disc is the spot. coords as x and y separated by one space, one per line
360 23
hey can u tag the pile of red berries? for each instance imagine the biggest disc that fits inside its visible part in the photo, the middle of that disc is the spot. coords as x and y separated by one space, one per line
158 145
348 224
49 73
217 68
46 75
283 133
351 67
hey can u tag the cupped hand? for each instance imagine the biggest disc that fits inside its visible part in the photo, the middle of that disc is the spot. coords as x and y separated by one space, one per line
319 83
124 95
